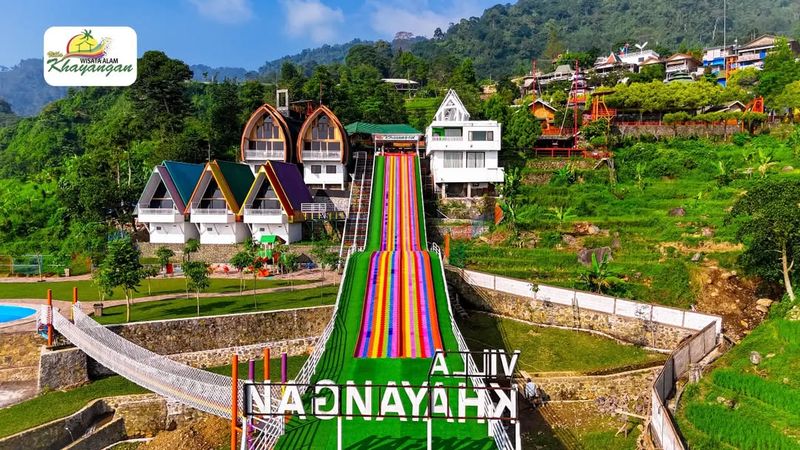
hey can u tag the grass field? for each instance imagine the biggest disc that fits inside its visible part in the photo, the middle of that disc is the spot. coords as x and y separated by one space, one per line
546 349
651 249
179 308
56 404
740 405
87 291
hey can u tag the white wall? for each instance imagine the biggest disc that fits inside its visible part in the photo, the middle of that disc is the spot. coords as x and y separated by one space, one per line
172 233
289 232
324 179
231 233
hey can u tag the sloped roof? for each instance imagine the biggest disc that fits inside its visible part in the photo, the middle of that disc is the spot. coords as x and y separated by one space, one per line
764 39
680 57
563 68
543 103
374 128
451 100
289 129
287 182
239 178
335 122
184 177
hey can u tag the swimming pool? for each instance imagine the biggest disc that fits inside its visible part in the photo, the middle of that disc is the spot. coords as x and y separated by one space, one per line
10 313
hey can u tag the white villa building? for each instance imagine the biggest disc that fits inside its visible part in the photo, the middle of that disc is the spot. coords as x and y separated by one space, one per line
273 205
162 205
323 149
216 202
463 153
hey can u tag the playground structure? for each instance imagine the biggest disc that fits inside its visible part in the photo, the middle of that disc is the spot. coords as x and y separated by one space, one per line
400 313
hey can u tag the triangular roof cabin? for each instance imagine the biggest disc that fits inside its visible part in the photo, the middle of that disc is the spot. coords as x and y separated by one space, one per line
323 121
268 129
171 182
451 109
222 184
285 181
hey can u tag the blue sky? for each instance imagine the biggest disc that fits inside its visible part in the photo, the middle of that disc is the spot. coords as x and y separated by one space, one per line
240 33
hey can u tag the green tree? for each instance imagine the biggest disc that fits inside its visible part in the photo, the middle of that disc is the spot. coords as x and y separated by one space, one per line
780 69
598 277
554 46
197 276
242 260
121 268
769 226
323 255
522 131
148 272
510 193
191 246
159 93
164 255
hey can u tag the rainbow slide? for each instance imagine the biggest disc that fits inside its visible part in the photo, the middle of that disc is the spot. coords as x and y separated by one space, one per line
392 315
399 318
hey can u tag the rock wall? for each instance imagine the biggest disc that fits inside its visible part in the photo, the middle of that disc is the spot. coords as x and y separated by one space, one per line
631 384
19 356
636 331
62 369
169 337
222 356
210 253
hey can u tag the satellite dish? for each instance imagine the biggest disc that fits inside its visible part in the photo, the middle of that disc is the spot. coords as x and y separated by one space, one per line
642 46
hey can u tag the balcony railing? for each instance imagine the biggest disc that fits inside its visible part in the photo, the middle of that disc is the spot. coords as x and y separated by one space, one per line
264 154
325 156
158 211
314 208
263 211
447 138
209 211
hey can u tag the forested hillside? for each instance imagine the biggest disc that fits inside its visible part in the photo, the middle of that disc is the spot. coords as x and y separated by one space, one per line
503 40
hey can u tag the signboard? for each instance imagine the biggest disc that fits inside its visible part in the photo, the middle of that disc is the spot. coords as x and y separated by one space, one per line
90 56
396 137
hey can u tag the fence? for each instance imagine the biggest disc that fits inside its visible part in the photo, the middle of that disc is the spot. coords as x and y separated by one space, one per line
662 428
31 265
600 303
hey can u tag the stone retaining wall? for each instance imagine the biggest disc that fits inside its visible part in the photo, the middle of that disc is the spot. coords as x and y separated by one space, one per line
631 384
222 356
62 369
636 331
19 356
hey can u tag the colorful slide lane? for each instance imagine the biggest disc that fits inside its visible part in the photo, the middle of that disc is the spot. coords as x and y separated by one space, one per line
399 317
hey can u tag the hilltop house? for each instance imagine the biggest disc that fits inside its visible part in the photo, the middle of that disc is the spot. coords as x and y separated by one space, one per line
546 113
323 149
754 53
680 65
216 202
273 205
463 153
268 136
162 205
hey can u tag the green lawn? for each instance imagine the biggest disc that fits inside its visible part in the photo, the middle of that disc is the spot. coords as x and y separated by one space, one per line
182 307
87 291
544 349
674 174
740 405
56 404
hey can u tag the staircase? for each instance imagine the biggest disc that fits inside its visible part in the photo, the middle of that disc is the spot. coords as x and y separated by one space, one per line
355 227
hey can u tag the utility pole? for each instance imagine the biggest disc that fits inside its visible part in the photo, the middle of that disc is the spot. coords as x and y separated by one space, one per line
724 23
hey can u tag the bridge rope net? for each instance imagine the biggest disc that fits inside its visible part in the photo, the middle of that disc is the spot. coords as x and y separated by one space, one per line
200 389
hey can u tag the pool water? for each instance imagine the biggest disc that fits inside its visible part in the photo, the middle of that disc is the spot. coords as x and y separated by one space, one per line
9 313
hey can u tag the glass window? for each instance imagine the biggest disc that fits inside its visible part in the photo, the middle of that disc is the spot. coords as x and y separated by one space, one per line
330 169
453 160
481 135
476 160
455 132
316 169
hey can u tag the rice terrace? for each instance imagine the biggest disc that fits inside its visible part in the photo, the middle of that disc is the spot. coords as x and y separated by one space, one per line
319 224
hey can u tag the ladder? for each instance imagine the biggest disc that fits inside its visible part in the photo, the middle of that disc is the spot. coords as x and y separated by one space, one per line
355 227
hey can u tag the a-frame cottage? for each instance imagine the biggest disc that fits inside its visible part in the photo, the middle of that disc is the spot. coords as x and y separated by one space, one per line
162 205
273 205
323 149
216 202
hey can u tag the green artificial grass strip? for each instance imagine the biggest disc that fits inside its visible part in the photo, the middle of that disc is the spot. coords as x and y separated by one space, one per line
213 306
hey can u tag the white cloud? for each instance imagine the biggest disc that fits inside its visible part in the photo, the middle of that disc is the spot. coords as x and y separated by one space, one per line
312 19
224 11
418 17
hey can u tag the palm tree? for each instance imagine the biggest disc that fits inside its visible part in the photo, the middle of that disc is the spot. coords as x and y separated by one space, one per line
598 277
87 36
764 162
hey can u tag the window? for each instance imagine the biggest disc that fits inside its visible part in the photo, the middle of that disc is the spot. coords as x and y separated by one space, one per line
316 169
481 135
453 132
476 160
262 229
158 228
209 229
330 169
453 160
